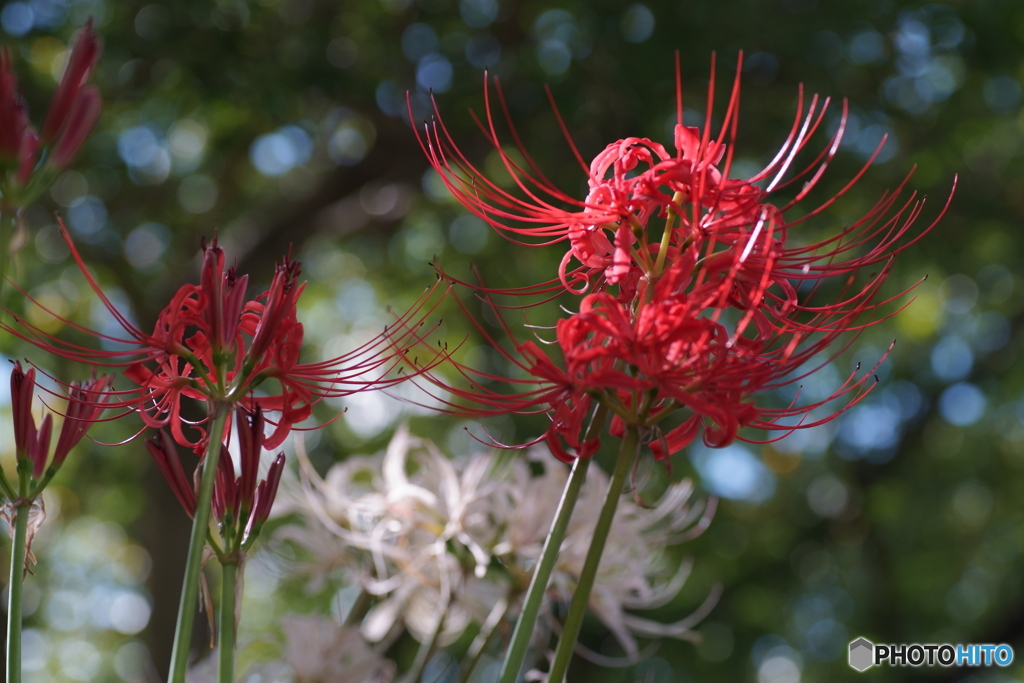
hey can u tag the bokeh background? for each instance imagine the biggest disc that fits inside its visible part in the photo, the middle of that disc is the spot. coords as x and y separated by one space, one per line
282 123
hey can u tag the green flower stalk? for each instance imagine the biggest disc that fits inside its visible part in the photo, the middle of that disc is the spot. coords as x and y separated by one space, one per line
240 505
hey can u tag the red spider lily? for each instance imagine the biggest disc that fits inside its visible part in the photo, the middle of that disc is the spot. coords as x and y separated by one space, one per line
211 345
671 352
707 312
73 113
612 232
240 504
85 402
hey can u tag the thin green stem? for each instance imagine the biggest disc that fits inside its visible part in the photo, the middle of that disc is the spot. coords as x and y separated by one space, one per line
194 564
42 483
523 632
14 597
226 626
578 607
5 486
19 549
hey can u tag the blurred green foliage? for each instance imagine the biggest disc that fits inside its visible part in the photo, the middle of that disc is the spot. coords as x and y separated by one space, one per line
282 122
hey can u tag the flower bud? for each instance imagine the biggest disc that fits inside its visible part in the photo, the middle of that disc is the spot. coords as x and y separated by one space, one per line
22 390
28 156
165 454
268 490
39 446
85 111
84 54
12 111
250 445
85 403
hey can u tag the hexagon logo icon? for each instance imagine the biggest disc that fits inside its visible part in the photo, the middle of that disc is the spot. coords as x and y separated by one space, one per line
862 654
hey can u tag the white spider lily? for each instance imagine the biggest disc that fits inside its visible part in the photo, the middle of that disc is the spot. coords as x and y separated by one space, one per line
426 530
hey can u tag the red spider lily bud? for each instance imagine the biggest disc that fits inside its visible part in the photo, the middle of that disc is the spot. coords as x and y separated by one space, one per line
86 400
225 489
39 446
250 445
13 119
267 490
225 296
234 302
165 454
84 54
278 310
85 111
28 156
22 391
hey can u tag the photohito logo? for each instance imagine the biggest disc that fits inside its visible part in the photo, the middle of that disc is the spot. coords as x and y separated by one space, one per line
864 654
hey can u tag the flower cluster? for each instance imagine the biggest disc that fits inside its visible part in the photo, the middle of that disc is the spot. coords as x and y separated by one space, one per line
696 297
85 401
74 110
460 539
240 504
212 344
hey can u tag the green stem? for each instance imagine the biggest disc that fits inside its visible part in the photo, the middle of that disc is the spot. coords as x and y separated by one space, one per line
42 483
580 598
194 565
18 551
523 632
226 627
5 486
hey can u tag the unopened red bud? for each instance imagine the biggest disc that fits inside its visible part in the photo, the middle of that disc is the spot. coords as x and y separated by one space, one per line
84 54
280 306
39 449
12 111
28 156
86 401
267 495
165 454
80 121
225 489
250 446
22 390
